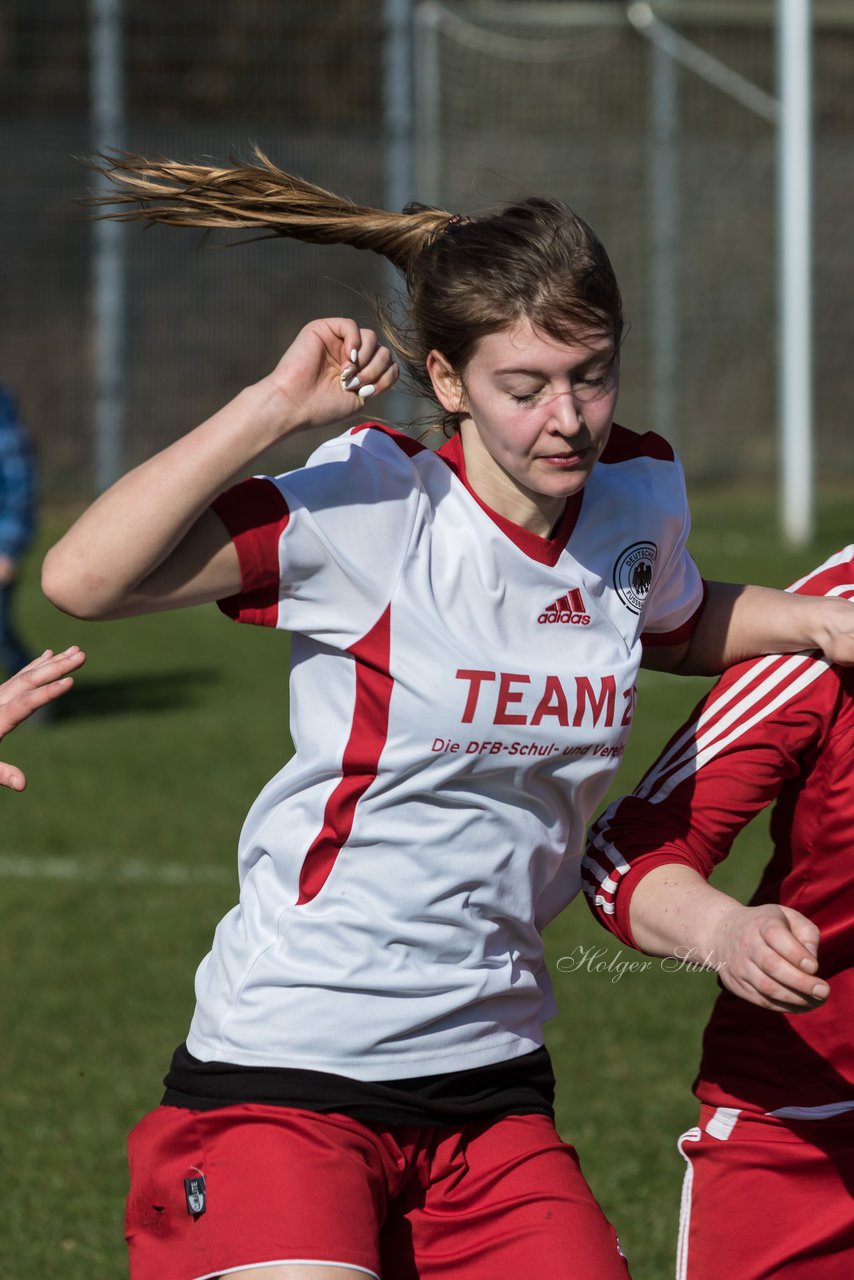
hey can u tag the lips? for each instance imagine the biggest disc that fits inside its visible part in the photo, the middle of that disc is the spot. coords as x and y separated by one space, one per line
564 459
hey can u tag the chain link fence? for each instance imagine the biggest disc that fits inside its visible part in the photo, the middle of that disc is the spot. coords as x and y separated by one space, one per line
562 98
509 99
203 318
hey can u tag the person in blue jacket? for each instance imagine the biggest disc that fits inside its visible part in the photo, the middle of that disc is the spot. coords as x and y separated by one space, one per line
17 522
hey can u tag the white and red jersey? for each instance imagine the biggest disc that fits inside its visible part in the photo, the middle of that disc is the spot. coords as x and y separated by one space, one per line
775 729
461 692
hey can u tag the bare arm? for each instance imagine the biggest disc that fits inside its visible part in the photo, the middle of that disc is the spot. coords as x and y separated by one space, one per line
765 954
740 622
150 542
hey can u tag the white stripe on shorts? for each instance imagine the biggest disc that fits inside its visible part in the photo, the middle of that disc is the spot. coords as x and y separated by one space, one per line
722 1123
693 1135
287 1262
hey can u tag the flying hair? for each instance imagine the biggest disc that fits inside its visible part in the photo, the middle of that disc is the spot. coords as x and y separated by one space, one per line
258 196
465 277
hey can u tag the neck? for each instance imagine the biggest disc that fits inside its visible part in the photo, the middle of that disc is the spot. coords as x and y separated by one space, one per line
536 512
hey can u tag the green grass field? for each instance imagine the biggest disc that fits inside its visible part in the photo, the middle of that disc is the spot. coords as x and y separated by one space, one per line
118 861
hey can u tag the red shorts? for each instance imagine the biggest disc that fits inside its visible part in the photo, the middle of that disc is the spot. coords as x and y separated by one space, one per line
494 1201
765 1197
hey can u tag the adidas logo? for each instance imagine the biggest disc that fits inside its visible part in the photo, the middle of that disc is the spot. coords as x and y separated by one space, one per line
568 608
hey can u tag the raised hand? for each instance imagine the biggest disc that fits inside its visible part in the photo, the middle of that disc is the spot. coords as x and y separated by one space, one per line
330 369
41 681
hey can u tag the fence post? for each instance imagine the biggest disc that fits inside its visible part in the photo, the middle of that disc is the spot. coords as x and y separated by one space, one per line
108 243
398 68
664 225
794 49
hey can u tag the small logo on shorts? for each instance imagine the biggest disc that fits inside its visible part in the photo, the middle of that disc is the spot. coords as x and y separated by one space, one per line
194 1190
633 574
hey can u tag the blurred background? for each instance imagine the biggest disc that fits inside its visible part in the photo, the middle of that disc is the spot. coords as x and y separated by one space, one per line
662 128
459 104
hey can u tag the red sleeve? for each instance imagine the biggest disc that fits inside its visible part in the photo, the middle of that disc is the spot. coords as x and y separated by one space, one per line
742 743
255 514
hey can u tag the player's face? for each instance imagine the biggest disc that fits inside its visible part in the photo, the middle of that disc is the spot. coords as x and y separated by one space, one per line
537 414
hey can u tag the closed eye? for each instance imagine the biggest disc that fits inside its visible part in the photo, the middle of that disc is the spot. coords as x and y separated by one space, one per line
595 372
592 382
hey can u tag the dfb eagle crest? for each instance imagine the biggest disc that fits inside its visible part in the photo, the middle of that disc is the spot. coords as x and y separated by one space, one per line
633 574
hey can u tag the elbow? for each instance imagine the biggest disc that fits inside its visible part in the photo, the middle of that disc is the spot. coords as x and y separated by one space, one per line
71 590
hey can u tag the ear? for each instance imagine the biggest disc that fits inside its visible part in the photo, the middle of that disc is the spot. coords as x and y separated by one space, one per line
447 384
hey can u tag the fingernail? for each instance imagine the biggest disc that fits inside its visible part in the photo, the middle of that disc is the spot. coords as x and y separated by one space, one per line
809 965
367 391
821 990
351 385
347 372
354 355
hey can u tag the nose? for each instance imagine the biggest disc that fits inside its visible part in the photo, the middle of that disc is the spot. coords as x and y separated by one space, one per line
566 418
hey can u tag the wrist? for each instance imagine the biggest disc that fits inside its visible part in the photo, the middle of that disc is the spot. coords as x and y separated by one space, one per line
825 619
720 924
273 412
674 910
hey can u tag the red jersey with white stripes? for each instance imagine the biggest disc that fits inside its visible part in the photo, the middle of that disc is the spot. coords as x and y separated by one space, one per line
461 692
774 729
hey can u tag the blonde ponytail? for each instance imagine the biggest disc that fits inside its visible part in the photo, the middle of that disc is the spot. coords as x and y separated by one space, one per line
260 196
465 277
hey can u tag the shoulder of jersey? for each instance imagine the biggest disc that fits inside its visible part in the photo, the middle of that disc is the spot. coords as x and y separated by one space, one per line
372 437
627 446
368 447
375 435
834 577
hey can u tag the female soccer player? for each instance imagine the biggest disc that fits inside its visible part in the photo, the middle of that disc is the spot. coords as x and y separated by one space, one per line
364 1088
